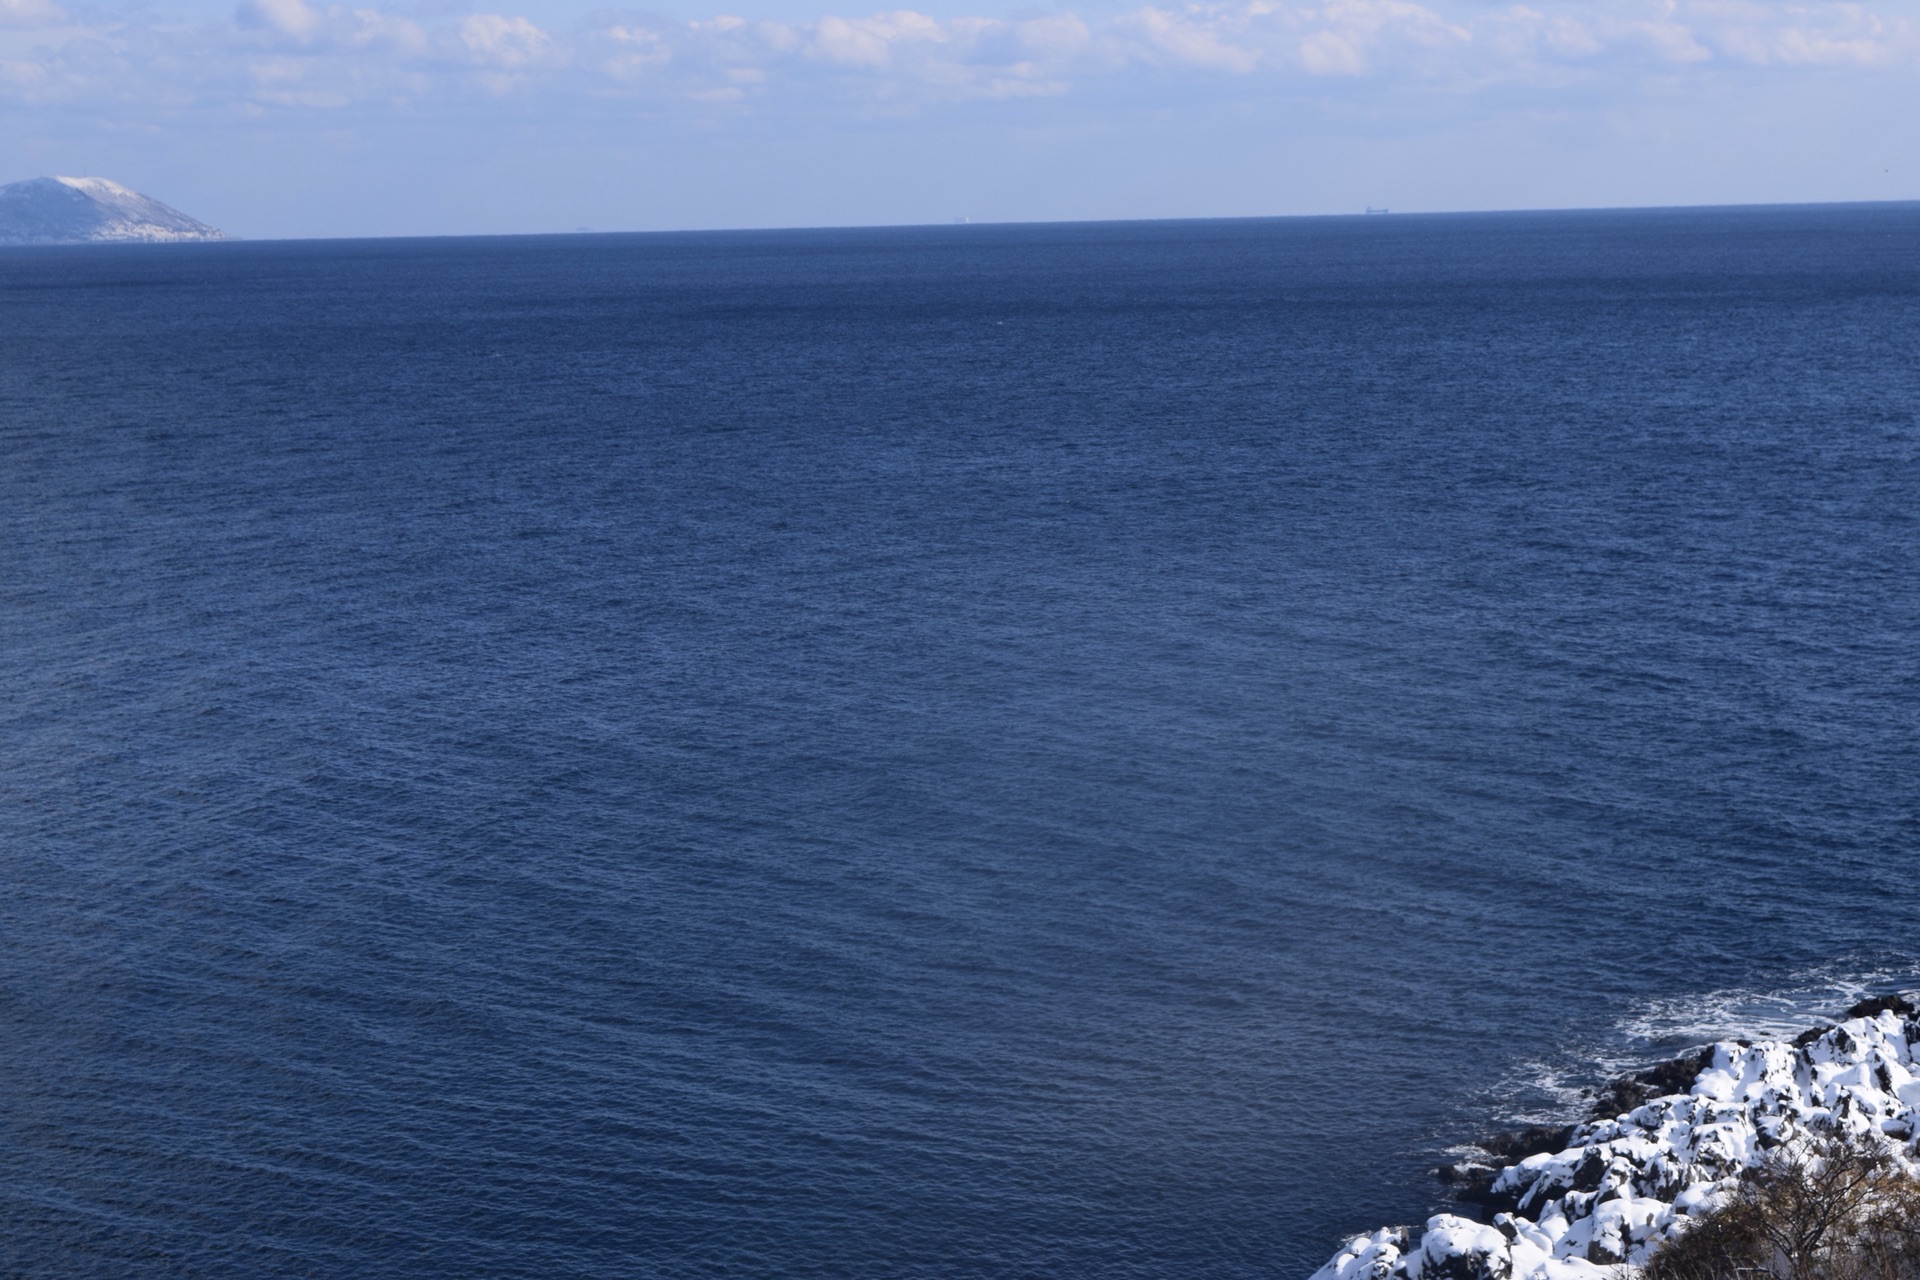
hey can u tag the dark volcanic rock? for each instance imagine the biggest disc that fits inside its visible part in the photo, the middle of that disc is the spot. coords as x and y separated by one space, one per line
1673 1076
1511 1148
1893 1002
1471 1183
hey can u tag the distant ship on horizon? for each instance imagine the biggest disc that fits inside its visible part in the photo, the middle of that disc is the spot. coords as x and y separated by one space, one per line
62 210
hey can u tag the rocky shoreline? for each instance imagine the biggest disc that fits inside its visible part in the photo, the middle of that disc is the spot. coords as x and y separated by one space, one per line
1660 1146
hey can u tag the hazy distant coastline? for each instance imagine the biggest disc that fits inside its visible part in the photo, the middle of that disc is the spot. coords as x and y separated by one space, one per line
63 210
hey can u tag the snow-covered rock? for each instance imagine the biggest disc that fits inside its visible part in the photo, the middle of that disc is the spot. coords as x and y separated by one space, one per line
89 210
1622 1185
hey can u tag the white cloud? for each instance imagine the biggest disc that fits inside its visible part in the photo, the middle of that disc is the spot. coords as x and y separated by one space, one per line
1061 36
634 51
499 41
30 13
384 30
288 17
329 56
875 42
1189 38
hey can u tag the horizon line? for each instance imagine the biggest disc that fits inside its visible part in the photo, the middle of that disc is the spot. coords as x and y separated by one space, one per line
1369 213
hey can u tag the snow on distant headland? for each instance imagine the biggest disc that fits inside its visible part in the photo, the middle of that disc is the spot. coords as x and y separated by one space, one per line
88 211
1614 1188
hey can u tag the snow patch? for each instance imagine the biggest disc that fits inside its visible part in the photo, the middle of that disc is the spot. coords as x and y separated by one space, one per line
64 210
1622 1185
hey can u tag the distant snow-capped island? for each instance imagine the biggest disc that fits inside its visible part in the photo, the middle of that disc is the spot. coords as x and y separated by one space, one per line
90 211
1662 1148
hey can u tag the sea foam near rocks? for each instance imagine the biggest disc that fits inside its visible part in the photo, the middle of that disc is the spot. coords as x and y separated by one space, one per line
1617 1187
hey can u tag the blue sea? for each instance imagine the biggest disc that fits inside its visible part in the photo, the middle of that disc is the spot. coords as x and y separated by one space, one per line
972 752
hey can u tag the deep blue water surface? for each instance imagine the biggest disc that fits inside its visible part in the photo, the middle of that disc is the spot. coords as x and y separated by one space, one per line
974 752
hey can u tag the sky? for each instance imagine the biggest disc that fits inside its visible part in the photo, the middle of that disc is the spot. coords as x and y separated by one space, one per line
277 118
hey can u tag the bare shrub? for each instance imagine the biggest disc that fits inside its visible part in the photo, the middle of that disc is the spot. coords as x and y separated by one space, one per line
1835 1207
1724 1245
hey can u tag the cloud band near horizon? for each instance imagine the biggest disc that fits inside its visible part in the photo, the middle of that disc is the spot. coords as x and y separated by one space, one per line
280 56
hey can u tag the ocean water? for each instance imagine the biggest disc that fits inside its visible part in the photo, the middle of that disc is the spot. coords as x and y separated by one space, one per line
970 752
